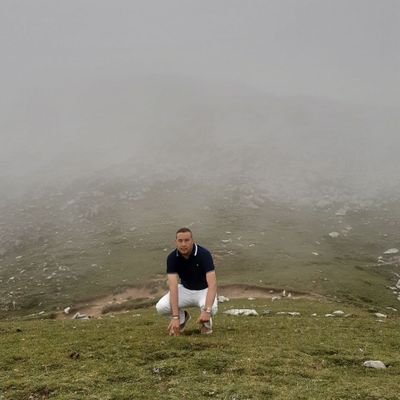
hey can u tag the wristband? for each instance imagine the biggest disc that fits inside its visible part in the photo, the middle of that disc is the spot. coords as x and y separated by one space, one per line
207 310
175 317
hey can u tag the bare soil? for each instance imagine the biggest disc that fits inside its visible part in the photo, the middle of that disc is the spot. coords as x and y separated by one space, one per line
95 308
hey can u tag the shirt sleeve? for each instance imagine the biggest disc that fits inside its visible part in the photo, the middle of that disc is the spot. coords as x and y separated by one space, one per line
208 262
171 265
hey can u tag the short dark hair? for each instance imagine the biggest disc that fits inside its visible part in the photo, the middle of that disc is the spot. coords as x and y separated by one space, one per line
182 230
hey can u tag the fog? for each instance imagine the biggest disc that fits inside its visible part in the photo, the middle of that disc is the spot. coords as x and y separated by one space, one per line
300 98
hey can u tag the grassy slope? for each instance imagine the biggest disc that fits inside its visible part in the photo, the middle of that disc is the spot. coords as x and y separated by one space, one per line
130 357
270 246
266 357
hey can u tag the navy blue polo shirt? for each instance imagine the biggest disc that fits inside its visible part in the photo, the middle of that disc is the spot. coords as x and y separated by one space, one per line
192 271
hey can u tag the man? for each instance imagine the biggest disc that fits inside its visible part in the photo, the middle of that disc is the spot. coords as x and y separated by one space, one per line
194 267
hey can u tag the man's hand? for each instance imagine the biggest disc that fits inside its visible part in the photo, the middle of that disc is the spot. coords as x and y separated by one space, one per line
174 327
204 317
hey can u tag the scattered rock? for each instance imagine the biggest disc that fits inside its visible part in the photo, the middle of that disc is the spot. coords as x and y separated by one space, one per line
251 298
67 310
291 313
338 313
341 212
222 299
78 315
374 364
380 315
391 251
334 234
315 253
241 311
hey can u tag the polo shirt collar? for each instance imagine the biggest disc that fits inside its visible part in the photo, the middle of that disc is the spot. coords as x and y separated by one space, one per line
194 251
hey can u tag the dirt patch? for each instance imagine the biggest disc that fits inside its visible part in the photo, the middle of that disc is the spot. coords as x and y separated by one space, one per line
97 307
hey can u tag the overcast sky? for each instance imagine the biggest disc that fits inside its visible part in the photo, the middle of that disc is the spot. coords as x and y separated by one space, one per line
345 50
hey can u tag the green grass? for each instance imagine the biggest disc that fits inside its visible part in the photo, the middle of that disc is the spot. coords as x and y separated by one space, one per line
271 246
130 356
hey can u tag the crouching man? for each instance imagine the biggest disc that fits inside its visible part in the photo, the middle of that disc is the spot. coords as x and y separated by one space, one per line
192 283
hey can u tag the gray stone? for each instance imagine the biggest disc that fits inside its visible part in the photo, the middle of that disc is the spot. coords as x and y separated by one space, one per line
222 299
391 251
241 311
78 315
374 364
338 313
341 212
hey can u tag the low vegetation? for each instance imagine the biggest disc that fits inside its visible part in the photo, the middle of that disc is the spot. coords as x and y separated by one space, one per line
60 249
64 249
130 356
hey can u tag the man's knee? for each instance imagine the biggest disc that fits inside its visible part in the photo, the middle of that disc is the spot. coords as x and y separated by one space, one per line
163 306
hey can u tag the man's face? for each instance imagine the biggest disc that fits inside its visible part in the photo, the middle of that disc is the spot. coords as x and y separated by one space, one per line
184 243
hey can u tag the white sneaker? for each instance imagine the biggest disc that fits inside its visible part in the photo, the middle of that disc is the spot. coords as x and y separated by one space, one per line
206 327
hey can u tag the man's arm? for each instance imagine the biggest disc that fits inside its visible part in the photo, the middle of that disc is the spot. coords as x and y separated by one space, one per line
211 278
173 293
173 327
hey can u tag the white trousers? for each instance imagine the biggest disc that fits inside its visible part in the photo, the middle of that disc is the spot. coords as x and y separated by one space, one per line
186 298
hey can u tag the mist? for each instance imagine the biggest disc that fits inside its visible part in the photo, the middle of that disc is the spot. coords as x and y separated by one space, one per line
300 100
